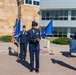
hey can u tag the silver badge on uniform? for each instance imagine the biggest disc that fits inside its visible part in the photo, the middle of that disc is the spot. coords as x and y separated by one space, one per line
26 33
37 33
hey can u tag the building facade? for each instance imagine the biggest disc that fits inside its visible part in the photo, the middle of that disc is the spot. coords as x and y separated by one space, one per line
63 14
30 11
10 10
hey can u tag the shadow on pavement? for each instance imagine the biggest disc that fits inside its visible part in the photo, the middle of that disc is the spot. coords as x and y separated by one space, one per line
24 63
11 53
62 64
66 54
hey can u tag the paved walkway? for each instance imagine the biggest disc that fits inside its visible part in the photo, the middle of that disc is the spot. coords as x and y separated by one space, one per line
57 64
49 65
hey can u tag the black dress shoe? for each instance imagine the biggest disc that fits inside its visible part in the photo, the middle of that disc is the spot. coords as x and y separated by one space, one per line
37 70
31 70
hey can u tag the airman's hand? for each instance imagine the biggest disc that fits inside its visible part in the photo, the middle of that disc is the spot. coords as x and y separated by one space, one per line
38 39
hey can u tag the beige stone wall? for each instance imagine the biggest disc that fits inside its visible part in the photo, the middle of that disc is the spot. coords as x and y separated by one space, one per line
9 13
29 13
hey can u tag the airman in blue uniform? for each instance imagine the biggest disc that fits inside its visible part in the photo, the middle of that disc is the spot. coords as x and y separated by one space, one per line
34 47
23 43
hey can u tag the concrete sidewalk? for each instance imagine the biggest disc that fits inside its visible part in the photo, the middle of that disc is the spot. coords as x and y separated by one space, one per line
56 64
54 48
49 65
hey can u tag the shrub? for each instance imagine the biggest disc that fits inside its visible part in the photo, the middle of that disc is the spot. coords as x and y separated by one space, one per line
62 40
6 38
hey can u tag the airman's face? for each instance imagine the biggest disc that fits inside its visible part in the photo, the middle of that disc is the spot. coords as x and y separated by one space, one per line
34 27
23 29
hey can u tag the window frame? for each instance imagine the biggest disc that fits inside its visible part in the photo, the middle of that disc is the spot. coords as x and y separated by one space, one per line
32 3
53 13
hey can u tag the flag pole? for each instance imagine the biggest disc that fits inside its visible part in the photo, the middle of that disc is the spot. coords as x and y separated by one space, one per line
19 16
18 49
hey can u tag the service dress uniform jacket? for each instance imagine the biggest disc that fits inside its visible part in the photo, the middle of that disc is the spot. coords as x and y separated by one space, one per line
34 47
23 44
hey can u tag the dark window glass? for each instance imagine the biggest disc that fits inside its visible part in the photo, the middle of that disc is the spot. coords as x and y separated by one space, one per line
43 19
64 35
73 15
52 15
59 32
61 18
61 13
28 1
64 31
73 18
35 3
43 15
65 13
56 15
65 18
47 13
47 18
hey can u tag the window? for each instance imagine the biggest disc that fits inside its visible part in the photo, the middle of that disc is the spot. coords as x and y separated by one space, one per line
32 2
61 15
73 30
65 15
73 15
28 1
55 15
42 29
47 15
59 32
52 15
35 3
43 15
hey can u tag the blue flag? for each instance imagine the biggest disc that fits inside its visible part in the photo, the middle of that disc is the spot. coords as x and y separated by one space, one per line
48 29
17 30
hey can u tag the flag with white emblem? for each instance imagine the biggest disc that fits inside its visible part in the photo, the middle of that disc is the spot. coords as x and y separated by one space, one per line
48 29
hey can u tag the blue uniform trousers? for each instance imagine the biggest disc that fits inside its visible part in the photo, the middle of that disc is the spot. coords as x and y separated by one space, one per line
36 54
23 50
